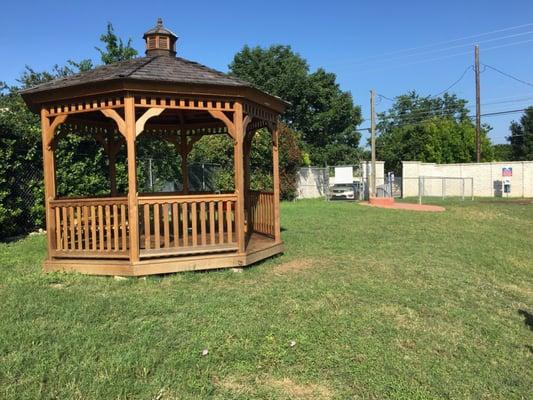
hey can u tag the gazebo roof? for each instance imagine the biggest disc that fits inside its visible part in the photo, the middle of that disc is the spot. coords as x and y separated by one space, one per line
158 68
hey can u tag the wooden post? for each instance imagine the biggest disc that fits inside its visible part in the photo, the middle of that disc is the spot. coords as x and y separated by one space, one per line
133 212
239 175
247 205
478 104
49 180
276 183
184 154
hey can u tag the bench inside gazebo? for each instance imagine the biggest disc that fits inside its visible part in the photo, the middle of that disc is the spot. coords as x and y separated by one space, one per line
178 101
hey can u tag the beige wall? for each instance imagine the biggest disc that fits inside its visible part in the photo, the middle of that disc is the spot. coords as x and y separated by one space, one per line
487 178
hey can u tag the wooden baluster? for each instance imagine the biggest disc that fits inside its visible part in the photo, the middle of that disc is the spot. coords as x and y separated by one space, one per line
194 224
211 222
71 226
115 227
59 245
65 227
93 227
108 227
147 239
78 227
175 224
166 226
185 222
86 231
157 228
202 223
229 222
220 215
101 244
123 226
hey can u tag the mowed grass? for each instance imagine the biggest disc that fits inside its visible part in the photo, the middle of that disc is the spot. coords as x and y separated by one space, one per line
381 304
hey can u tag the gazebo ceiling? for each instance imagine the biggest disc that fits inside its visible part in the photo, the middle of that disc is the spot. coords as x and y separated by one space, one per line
160 70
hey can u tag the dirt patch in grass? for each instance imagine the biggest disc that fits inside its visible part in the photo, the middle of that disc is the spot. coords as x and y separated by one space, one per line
58 286
294 266
285 387
295 390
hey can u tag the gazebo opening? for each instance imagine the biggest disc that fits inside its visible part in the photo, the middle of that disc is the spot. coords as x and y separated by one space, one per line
156 215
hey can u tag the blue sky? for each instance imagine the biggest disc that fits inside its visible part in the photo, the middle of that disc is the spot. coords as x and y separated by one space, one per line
353 39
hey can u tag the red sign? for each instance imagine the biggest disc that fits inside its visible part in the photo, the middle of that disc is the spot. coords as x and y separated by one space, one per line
507 171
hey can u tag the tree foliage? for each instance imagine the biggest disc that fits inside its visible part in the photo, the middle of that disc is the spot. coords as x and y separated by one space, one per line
325 116
502 152
521 138
430 129
115 49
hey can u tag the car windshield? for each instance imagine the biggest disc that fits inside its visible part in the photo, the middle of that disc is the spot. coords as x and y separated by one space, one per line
343 187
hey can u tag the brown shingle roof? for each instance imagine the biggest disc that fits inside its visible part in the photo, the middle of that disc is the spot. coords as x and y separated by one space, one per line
156 68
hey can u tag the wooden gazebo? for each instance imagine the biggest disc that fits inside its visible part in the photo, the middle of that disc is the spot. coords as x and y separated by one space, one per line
153 233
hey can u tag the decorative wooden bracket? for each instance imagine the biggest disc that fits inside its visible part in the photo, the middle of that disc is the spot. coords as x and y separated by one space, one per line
121 124
224 118
52 129
151 112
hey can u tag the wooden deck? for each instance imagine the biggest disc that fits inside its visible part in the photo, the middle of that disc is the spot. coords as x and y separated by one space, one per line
258 247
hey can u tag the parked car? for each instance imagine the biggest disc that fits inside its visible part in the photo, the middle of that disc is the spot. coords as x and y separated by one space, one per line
342 192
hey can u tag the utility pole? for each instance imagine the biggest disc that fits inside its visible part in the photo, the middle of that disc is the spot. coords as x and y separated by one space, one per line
373 142
478 105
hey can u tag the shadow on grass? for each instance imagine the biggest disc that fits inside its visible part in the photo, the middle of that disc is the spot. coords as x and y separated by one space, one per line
528 318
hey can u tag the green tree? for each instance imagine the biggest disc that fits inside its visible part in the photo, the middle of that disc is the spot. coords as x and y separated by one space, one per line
502 152
428 129
319 109
115 49
521 138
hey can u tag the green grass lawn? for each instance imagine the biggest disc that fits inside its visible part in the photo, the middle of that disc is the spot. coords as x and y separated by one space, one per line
381 304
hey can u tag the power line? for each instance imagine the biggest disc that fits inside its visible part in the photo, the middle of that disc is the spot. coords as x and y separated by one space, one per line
455 83
382 96
442 49
509 75
448 41
445 57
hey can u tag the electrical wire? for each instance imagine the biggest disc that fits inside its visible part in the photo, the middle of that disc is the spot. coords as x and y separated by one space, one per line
509 75
441 50
443 57
455 83
449 41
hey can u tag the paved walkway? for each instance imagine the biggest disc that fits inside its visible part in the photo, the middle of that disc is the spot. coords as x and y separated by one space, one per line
407 206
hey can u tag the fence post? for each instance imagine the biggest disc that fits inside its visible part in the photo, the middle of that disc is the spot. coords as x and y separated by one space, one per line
443 188
419 190
463 189
472 189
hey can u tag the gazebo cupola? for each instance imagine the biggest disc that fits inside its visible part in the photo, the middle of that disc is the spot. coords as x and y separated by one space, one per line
160 40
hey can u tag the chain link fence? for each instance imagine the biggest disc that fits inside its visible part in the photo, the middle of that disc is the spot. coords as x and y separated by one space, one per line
160 176
22 208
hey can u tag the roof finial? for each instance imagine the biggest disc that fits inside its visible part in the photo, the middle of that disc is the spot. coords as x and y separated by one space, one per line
160 21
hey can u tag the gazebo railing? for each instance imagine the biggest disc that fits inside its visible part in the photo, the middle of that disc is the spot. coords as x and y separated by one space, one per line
95 227
261 214
187 224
